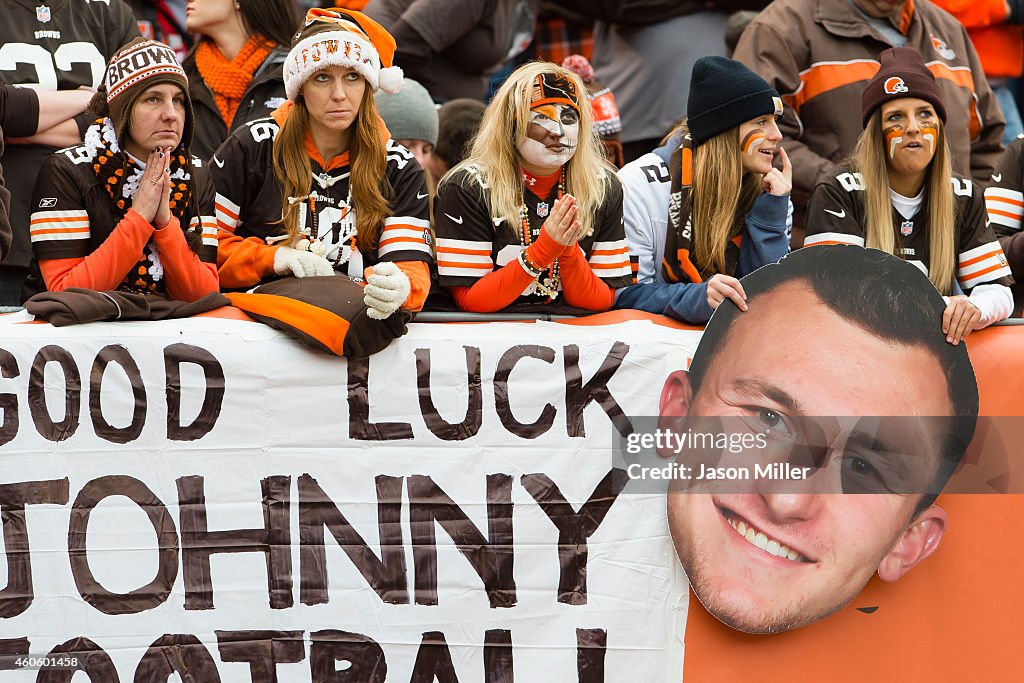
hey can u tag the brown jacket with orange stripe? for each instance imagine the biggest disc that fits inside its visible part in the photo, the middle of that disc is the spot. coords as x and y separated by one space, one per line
820 54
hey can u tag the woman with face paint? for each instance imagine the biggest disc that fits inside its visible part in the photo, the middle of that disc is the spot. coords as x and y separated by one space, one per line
895 195
534 213
708 206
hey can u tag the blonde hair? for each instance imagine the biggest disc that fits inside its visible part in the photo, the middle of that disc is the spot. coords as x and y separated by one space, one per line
879 229
494 158
368 166
721 195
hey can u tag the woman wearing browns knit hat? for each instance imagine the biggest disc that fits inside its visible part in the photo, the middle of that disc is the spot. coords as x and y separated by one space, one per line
320 188
894 195
234 70
130 209
533 216
708 207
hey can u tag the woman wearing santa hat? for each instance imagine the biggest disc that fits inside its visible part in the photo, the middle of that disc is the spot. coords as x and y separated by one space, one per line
320 188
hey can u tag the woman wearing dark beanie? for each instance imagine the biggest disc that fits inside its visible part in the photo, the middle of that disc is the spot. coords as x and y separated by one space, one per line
113 212
720 209
234 71
894 195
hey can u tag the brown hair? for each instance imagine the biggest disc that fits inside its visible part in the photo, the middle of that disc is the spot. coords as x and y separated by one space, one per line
368 163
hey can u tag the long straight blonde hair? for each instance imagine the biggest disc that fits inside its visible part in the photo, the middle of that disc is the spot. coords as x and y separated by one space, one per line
494 159
367 171
880 230
721 195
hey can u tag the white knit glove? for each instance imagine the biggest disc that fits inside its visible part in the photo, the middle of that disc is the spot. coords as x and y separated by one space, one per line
288 261
386 290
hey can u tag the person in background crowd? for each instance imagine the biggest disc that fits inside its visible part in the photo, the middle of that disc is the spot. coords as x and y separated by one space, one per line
561 32
735 26
535 210
602 106
644 51
164 20
38 41
411 118
1004 201
820 53
457 123
319 188
708 207
112 213
996 33
449 46
895 196
234 71
19 116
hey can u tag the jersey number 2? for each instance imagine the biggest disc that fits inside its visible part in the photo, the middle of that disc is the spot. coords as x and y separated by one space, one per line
47 65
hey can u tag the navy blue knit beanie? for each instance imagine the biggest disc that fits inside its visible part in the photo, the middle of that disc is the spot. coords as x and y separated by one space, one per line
723 94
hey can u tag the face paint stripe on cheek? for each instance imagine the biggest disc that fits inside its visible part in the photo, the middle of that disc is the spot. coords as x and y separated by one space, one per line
893 137
930 132
752 141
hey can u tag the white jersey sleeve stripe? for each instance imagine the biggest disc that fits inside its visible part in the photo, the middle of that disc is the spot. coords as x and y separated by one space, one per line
833 238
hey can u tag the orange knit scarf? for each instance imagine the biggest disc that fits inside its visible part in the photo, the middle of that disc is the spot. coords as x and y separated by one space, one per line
228 80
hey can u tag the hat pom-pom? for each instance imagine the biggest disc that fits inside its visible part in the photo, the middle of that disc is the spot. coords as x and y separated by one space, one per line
391 79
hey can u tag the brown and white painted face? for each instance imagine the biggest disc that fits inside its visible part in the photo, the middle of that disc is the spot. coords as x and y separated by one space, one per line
551 138
910 128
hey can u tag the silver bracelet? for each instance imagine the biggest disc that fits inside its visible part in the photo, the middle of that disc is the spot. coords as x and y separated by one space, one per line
525 263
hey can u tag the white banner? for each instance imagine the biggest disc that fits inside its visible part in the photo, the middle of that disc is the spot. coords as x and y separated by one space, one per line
209 500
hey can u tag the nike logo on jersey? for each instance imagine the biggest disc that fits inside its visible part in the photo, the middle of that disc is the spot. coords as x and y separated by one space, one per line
997 177
220 164
837 214
421 195
454 219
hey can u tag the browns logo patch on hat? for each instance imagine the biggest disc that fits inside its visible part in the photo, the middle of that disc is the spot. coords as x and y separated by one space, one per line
554 89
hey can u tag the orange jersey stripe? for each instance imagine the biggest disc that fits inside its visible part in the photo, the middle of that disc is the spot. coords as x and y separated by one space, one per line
61 219
609 252
973 276
468 252
455 264
1007 214
392 240
57 231
978 259
609 266
223 209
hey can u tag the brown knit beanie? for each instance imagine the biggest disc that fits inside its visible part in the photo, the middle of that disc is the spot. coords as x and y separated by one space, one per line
139 65
902 74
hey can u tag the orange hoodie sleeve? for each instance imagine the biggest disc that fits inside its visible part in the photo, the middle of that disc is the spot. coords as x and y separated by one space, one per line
243 262
580 284
419 277
501 287
107 266
187 278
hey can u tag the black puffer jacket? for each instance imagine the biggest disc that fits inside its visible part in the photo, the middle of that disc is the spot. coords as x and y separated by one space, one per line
264 95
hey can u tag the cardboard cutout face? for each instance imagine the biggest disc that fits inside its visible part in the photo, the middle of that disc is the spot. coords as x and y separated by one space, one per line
767 554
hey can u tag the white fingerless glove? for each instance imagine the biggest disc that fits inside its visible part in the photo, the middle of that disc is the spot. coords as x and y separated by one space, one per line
288 261
386 290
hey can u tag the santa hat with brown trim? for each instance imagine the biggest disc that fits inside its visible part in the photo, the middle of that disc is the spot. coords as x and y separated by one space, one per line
340 37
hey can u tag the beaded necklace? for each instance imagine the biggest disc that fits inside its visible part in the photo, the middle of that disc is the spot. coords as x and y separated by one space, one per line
549 285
